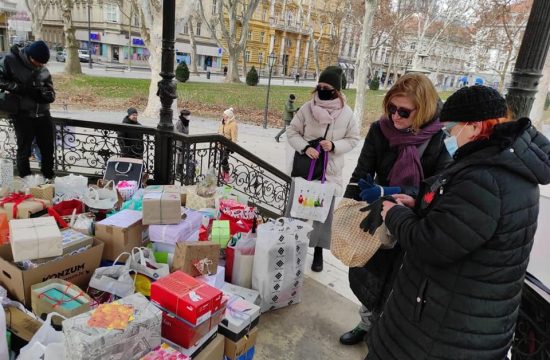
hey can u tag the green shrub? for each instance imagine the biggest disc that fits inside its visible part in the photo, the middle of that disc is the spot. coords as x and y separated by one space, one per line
182 72
252 77
374 84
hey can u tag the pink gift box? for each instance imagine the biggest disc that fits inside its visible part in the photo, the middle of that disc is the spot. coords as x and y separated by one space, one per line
186 230
164 352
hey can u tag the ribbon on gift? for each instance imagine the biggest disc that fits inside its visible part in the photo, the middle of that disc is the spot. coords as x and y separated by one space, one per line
200 265
62 301
18 198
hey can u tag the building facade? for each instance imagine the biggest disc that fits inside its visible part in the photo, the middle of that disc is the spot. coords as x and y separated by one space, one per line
8 9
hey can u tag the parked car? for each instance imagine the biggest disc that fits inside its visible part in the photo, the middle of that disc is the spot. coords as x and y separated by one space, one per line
83 55
61 56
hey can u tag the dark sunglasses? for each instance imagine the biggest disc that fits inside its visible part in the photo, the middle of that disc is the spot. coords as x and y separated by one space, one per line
320 87
402 112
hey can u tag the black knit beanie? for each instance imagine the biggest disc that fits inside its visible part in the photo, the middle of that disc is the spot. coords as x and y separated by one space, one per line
132 111
474 103
39 51
332 75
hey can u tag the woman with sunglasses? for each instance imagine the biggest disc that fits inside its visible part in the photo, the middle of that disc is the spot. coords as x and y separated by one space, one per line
468 239
400 149
327 118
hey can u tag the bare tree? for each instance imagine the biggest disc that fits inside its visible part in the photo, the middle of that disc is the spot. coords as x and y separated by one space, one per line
38 10
72 64
501 27
229 15
363 59
150 14
193 41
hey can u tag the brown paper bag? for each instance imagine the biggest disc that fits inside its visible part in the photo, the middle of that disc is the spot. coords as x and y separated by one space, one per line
196 258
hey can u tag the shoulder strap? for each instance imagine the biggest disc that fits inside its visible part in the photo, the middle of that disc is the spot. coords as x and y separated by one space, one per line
326 132
423 148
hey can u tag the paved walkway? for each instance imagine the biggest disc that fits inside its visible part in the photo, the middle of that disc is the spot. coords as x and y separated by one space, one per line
261 142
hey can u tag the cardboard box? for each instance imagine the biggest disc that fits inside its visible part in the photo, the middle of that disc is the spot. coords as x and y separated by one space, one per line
121 233
187 229
221 233
194 351
43 192
242 349
162 205
20 323
196 258
214 350
72 240
165 352
186 297
27 209
77 268
35 238
140 336
60 296
241 316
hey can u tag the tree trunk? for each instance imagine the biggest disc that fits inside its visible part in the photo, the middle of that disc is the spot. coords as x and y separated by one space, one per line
388 72
540 98
72 65
233 67
193 42
245 68
316 57
362 60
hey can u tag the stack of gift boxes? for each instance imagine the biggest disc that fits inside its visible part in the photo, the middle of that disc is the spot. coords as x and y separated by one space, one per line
48 264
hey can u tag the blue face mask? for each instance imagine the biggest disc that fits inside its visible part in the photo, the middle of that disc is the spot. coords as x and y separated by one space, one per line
451 142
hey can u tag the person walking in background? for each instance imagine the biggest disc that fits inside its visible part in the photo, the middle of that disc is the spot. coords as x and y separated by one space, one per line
288 114
403 147
225 71
466 237
228 129
327 118
23 73
131 142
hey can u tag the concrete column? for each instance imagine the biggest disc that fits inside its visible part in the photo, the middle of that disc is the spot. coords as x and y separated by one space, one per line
306 57
282 53
297 54
271 43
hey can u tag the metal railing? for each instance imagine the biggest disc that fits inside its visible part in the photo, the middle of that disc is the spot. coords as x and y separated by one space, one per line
85 147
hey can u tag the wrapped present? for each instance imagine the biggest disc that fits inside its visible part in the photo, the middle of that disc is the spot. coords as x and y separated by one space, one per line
165 352
72 240
127 189
60 296
217 280
44 191
250 295
162 205
19 206
197 202
141 335
243 349
221 233
35 238
239 319
187 229
196 258
186 297
121 233
4 229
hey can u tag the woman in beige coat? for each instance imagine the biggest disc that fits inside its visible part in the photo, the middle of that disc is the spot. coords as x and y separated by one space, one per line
228 128
328 113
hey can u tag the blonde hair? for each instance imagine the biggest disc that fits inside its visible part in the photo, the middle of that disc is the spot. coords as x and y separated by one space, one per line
420 90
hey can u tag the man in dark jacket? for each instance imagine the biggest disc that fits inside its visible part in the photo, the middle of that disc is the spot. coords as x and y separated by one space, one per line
26 80
131 142
288 115
468 239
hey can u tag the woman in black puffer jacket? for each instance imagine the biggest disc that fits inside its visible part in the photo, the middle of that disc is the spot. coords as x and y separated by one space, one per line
401 148
467 242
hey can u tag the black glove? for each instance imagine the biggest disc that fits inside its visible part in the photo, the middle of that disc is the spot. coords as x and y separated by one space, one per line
374 218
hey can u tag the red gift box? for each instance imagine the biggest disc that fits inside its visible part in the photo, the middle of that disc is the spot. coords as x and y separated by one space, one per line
186 297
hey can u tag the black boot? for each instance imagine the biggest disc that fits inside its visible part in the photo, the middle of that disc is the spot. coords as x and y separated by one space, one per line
353 337
317 264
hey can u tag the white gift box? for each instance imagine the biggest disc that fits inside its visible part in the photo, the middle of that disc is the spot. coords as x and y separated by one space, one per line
140 337
186 230
239 318
35 238
217 280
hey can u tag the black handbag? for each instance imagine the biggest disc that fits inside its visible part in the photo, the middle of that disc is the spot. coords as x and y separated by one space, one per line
9 104
120 168
302 162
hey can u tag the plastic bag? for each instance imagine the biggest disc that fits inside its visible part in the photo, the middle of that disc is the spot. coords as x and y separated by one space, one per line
103 198
243 261
136 202
84 223
111 282
207 186
45 344
71 185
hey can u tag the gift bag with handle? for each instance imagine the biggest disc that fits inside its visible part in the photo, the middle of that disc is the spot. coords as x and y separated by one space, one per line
279 262
312 199
111 282
101 198
142 261
46 343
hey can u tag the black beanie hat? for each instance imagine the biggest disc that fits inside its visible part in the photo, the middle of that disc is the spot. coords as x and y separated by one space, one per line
132 111
332 75
474 103
292 97
39 51
184 113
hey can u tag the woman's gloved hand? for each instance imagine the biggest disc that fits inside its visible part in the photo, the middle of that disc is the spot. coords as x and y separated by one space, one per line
371 192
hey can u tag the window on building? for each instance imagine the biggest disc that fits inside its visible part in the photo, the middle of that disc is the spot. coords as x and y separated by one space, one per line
199 26
413 46
249 35
262 37
247 56
264 15
500 65
135 20
288 43
214 7
186 28
261 57
111 13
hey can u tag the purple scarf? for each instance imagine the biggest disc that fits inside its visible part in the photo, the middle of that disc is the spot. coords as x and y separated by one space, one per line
407 169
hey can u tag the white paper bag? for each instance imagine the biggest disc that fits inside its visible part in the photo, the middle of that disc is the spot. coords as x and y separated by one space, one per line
278 272
311 199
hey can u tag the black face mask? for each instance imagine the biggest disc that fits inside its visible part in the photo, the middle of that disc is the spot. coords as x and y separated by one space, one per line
325 94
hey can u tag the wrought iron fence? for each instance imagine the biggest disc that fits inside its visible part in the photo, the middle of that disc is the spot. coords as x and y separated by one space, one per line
84 147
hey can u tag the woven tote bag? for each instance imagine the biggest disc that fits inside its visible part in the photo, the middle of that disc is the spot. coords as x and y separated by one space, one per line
350 244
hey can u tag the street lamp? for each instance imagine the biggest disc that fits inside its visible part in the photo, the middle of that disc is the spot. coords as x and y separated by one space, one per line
270 62
89 36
